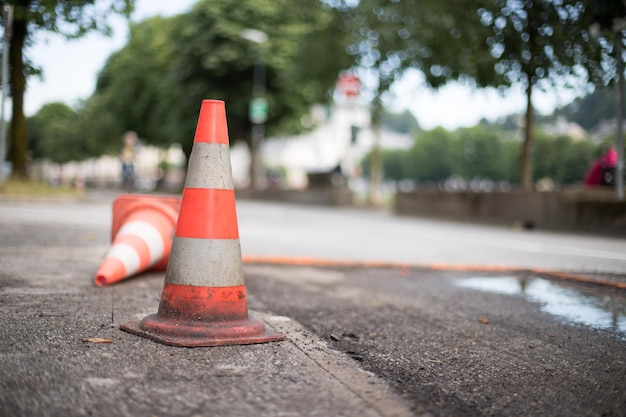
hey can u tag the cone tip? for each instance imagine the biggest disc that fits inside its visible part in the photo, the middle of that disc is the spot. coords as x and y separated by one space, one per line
212 126
111 271
210 101
101 280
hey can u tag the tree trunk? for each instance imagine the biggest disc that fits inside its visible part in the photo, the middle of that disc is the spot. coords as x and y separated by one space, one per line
526 165
17 133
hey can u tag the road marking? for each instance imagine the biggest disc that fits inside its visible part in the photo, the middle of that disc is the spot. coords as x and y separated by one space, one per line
556 250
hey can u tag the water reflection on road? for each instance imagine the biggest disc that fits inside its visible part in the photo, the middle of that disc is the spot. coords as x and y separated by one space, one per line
600 309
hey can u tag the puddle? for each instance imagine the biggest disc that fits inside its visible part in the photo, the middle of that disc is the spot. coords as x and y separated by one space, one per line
597 309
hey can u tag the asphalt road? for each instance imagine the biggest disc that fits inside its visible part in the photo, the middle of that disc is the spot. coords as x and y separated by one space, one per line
274 229
452 349
448 342
364 235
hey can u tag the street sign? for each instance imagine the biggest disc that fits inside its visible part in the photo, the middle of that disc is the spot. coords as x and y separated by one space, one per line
258 110
349 85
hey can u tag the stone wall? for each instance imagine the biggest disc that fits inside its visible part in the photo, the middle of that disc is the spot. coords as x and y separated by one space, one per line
595 211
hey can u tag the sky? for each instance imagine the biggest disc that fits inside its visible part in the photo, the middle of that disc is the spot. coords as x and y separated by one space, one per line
71 68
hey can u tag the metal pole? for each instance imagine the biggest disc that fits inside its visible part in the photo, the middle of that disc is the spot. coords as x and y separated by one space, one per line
7 15
619 181
258 91
258 127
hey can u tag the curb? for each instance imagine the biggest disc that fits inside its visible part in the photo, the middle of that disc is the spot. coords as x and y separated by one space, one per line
370 389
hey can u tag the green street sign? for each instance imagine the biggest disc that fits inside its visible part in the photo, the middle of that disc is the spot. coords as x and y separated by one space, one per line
258 110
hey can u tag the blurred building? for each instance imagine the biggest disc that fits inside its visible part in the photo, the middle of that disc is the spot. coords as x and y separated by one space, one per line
342 135
153 167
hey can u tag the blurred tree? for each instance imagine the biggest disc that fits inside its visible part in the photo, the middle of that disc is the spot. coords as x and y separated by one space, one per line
548 152
578 156
487 153
71 19
301 59
590 110
430 158
55 134
388 37
563 159
500 43
156 83
133 90
482 153
605 13
392 164
539 44
608 22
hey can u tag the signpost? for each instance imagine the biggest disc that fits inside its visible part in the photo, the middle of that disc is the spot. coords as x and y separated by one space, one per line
349 85
258 110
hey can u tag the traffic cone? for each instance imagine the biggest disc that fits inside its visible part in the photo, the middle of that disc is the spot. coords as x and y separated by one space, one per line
141 236
203 302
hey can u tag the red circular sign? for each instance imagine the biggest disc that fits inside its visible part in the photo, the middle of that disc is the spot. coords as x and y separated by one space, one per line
349 85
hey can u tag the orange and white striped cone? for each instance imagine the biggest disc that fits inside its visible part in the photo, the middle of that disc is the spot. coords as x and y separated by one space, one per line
141 235
203 302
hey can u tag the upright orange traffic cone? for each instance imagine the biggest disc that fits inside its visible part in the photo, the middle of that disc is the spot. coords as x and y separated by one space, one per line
141 235
203 302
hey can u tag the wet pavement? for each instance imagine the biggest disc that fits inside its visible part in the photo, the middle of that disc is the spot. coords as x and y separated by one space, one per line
567 302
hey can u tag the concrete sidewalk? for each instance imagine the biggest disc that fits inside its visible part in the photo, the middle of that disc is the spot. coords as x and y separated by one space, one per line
62 352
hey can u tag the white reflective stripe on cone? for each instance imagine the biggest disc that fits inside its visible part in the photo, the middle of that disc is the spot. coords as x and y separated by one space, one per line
149 234
208 164
205 262
127 255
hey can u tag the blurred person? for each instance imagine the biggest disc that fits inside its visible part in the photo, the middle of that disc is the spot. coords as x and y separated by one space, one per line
127 156
602 170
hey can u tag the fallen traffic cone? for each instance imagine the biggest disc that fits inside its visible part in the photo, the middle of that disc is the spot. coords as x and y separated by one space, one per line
141 235
203 302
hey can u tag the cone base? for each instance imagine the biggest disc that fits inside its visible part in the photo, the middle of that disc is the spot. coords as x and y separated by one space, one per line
175 333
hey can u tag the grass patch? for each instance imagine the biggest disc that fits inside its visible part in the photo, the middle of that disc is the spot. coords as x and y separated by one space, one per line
18 187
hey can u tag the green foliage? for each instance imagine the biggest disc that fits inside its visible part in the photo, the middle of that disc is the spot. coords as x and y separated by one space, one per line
132 92
431 157
156 83
499 43
562 159
100 127
604 12
490 42
435 37
213 61
539 42
590 110
487 153
72 19
55 133
392 164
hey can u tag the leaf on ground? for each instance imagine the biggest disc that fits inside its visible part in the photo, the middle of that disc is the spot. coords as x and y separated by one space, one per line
96 340
483 320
